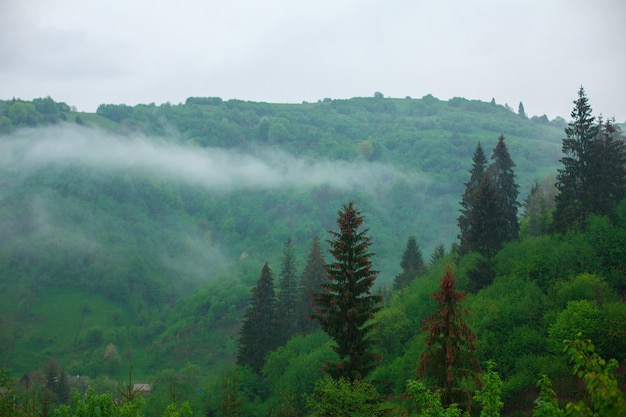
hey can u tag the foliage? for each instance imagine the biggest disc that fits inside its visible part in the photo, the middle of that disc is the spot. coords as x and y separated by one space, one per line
489 393
538 207
439 252
579 317
345 397
412 264
501 170
546 403
346 309
8 395
450 343
606 398
296 366
313 276
258 330
425 403
479 167
231 401
103 405
489 203
593 177
609 158
286 305
149 271
178 410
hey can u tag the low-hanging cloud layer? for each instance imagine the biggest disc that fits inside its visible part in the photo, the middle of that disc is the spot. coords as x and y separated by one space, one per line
29 150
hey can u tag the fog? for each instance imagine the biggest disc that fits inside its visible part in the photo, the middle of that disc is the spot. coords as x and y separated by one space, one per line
216 169
71 227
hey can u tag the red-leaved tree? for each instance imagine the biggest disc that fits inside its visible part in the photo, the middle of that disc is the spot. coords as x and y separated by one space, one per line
450 344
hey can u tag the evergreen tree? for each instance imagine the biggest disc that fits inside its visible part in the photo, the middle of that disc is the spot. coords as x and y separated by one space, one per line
501 170
520 110
313 276
288 295
538 207
412 265
486 225
230 402
609 168
258 330
574 179
479 167
450 344
439 252
345 310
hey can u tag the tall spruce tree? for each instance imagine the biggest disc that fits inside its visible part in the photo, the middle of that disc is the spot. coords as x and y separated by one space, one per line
520 110
450 344
501 169
479 167
288 294
346 308
258 330
538 207
311 280
412 265
609 162
486 224
574 182
439 252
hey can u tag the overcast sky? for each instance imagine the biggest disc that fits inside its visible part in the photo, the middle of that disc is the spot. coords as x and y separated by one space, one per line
538 52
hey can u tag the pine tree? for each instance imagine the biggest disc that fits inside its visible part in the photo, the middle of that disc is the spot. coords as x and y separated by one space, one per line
439 252
450 344
520 110
230 402
412 265
288 295
576 189
501 170
486 225
258 330
479 167
313 276
538 207
609 168
346 309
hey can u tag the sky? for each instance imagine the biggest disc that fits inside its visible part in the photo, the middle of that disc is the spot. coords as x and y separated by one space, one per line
538 52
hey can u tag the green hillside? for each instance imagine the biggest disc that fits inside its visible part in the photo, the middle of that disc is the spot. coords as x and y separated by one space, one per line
132 236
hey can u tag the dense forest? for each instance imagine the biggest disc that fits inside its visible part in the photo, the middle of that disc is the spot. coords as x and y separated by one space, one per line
370 256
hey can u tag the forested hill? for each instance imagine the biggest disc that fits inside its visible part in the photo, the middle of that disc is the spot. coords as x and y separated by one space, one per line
107 219
220 179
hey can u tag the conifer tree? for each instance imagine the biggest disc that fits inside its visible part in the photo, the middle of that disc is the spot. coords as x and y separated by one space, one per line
501 170
479 167
345 310
574 179
486 225
609 167
412 265
313 276
520 110
450 344
538 207
288 295
439 252
258 330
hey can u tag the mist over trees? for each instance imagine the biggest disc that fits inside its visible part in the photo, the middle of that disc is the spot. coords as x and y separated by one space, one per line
133 238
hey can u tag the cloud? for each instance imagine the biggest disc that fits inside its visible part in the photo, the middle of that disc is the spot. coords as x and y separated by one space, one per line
215 169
